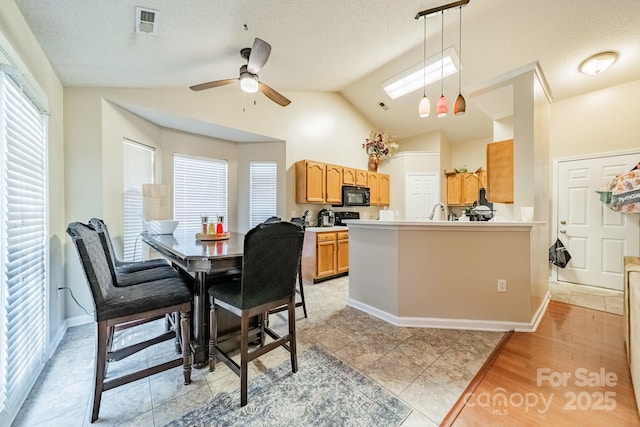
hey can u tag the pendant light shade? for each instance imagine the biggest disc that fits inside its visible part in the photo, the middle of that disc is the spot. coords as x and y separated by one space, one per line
424 108
460 106
442 108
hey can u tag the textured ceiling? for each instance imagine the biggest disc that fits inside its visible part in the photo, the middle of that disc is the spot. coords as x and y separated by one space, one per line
336 45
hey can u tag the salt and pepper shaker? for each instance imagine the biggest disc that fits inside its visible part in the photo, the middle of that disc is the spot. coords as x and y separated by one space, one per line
205 220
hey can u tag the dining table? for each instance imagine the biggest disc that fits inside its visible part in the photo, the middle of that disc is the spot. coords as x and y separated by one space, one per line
203 261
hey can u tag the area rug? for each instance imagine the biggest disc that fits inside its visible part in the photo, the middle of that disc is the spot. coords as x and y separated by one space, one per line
324 392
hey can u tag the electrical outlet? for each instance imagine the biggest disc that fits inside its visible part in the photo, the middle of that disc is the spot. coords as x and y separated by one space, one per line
502 285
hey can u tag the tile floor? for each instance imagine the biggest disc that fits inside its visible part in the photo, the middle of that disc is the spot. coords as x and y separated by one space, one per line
427 368
587 296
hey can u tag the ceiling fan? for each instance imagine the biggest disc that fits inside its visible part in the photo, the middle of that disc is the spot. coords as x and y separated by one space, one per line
256 57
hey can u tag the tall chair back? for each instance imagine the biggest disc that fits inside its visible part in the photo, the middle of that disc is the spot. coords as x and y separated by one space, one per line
270 263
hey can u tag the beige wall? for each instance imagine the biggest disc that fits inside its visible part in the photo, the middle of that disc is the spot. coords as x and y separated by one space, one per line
17 40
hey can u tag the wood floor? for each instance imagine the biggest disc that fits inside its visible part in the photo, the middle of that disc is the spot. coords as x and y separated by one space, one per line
571 371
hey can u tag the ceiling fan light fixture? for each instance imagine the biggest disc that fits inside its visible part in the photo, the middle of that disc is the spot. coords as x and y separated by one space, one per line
598 63
249 83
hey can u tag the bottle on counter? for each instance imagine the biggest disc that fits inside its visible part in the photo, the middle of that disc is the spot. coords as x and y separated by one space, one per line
205 220
219 226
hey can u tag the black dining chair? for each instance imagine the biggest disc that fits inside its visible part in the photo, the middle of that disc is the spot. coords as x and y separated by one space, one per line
269 265
122 266
116 306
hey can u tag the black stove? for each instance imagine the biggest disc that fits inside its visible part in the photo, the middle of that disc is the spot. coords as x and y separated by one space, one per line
341 216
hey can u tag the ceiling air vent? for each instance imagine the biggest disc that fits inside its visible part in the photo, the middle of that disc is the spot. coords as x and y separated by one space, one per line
146 20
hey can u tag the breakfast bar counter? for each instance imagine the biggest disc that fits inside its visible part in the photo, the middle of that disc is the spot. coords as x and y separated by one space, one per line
446 274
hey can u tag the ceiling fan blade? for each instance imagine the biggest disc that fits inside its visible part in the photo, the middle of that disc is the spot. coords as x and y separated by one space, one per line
212 84
273 95
259 54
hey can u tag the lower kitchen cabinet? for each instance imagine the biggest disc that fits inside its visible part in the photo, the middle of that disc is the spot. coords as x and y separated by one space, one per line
325 255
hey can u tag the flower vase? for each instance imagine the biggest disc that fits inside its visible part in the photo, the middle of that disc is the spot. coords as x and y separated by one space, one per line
373 163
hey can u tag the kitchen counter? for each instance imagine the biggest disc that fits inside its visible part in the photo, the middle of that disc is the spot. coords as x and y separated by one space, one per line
445 274
321 229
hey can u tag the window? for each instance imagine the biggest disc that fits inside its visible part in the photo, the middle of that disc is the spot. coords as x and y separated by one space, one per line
199 187
23 246
264 190
138 170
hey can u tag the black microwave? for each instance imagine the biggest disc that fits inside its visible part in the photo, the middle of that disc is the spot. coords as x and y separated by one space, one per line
355 196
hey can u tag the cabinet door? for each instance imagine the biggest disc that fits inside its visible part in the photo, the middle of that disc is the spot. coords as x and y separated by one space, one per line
348 176
334 184
500 172
470 188
374 187
384 186
361 178
343 252
326 254
454 189
314 182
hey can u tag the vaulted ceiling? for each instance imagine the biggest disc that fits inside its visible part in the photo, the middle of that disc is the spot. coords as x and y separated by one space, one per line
349 47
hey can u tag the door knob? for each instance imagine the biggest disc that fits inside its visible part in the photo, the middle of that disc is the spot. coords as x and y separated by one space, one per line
563 231
563 222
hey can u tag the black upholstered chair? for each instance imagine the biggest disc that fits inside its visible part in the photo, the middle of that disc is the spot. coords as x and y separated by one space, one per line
122 266
300 289
115 306
269 266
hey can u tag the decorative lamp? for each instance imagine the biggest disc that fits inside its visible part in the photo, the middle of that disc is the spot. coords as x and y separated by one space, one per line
442 108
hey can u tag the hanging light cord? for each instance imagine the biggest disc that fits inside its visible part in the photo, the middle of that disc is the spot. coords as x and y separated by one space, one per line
460 59
424 61
442 56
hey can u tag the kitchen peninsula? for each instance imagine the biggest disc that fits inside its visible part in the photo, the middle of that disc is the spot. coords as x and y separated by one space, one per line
446 274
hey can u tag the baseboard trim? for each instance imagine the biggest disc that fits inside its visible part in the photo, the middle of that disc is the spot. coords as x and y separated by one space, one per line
445 323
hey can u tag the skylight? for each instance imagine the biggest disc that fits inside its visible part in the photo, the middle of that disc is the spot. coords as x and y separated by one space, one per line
413 79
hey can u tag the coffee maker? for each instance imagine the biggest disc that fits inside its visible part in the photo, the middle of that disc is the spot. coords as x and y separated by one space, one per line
326 218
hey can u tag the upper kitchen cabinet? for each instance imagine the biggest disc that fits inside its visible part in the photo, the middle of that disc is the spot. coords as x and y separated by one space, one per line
318 182
310 182
348 176
463 188
500 171
379 187
361 178
334 184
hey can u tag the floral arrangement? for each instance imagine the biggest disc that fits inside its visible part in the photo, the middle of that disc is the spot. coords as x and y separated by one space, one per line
379 144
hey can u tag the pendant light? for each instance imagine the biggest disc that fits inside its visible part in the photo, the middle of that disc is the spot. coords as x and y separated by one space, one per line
424 108
441 106
460 106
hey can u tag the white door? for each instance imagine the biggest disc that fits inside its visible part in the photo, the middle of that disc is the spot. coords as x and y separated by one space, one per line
596 237
423 191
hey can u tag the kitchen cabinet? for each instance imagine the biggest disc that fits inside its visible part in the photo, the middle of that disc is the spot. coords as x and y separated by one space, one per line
325 254
348 176
500 171
333 184
463 188
361 178
310 182
380 188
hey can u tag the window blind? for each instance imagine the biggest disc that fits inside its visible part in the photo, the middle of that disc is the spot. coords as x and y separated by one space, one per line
264 191
138 170
23 246
199 187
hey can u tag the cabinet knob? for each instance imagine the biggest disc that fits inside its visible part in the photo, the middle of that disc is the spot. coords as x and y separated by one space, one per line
563 222
563 231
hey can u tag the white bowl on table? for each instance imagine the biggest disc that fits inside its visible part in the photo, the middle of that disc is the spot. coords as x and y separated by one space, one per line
161 226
